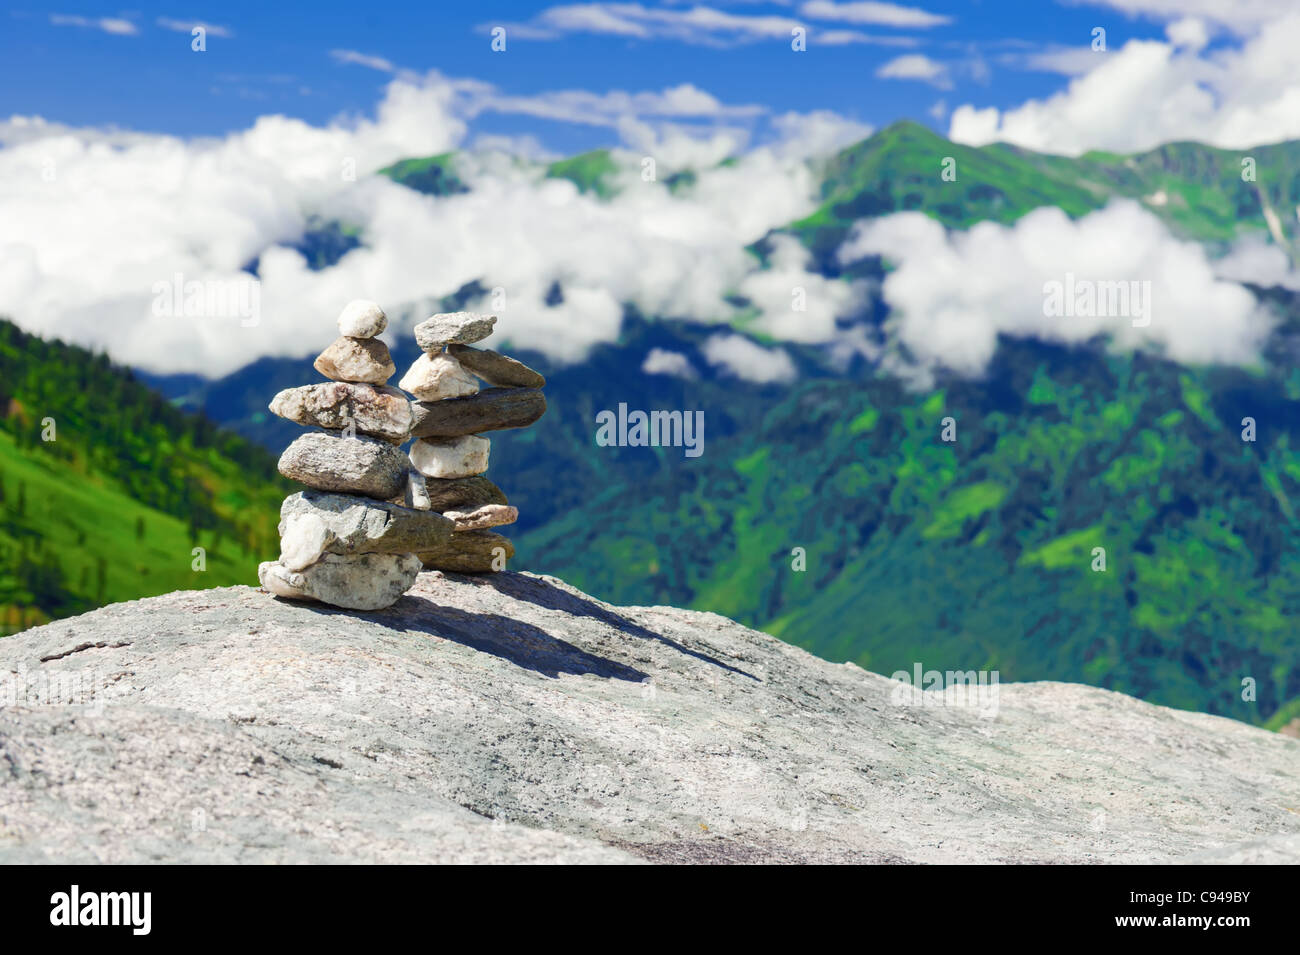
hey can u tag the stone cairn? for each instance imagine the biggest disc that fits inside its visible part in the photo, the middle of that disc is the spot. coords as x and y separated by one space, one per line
374 516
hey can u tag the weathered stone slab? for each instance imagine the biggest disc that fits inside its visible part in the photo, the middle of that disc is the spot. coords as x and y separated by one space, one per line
453 328
376 410
360 465
462 494
495 368
470 552
358 525
495 409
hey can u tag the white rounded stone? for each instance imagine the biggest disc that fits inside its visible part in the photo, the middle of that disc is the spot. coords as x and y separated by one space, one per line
451 457
362 318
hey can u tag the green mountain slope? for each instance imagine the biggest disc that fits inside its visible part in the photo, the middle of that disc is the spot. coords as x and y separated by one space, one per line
978 553
435 175
1199 191
112 506
590 171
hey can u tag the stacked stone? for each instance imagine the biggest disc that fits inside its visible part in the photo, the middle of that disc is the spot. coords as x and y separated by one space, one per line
352 539
450 416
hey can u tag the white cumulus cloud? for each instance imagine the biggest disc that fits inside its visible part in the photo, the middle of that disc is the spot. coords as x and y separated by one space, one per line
745 359
661 361
1150 92
952 294
916 66
883 14
91 221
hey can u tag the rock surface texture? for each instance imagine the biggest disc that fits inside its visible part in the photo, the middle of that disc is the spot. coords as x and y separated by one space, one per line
512 718
359 526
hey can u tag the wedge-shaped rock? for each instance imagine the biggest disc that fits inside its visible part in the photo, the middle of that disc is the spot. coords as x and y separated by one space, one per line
362 318
495 409
451 457
470 552
356 359
463 494
495 368
376 410
488 515
303 540
360 465
453 328
357 525
417 491
357 582
434 377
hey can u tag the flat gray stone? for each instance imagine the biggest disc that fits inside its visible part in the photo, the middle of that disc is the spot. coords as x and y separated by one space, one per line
495 409
495 368
376 410
460 494
359 525
470 552
332 462
453 328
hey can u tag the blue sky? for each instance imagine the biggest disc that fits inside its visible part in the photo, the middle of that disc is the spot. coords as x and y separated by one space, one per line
94 64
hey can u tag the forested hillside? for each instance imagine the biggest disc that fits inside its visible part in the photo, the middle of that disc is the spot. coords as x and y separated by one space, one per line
106 490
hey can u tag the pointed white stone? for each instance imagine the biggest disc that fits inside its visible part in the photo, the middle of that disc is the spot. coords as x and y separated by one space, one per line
434 377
